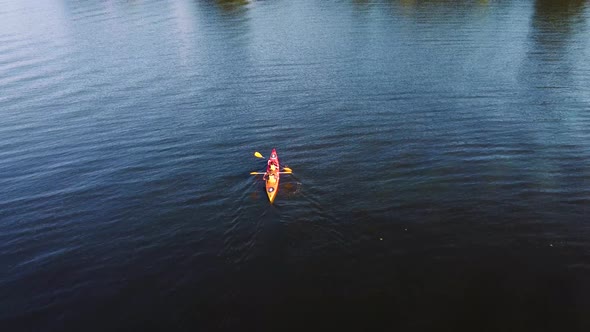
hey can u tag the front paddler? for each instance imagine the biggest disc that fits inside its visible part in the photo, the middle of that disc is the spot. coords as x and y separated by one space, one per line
271 174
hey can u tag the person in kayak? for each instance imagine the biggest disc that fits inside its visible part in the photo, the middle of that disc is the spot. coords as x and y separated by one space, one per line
273 162
271 173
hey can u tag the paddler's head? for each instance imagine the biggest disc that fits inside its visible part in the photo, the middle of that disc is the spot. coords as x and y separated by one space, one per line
273 167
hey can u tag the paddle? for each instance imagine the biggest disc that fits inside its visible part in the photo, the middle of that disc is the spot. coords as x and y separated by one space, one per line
259 155
261 173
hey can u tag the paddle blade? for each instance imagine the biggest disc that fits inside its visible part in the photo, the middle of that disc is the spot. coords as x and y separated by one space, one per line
256 173
287 169
258 155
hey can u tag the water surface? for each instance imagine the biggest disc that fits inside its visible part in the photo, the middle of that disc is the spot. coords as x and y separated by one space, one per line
441 157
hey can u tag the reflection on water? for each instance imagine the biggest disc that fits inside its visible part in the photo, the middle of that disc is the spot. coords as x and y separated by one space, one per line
555 21
232 5
559 15
184 17
556 28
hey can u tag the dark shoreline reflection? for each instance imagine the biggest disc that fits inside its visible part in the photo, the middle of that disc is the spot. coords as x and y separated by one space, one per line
554 22
554 27
232 5
561 13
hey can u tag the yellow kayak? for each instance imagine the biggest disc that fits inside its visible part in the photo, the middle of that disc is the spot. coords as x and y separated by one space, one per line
272 176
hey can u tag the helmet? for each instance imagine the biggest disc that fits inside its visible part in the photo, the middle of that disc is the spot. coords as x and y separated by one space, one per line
272 167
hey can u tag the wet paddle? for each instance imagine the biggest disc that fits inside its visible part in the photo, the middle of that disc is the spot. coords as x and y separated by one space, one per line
261 173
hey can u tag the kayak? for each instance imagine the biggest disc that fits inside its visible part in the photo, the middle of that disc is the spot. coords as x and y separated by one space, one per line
272 179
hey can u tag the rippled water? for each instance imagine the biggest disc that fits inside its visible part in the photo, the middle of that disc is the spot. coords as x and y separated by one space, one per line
440 149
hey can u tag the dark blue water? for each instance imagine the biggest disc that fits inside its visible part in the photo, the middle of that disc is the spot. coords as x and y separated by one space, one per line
440 149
